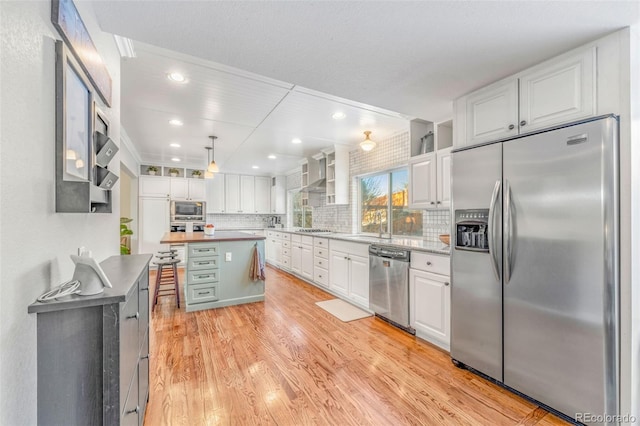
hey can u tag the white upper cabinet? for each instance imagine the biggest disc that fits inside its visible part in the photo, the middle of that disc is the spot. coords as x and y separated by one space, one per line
232 193
337 175
215 194
154 186
278 195
187 189
197 189
492 113
262 189
247 194
443 180
422 174
430 173
557 91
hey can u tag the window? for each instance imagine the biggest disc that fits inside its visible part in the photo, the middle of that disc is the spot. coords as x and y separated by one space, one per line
301 215
376 206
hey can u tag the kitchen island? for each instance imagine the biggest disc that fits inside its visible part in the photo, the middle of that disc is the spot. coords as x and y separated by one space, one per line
218 268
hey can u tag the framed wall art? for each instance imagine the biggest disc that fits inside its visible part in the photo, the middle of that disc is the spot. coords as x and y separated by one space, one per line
74 117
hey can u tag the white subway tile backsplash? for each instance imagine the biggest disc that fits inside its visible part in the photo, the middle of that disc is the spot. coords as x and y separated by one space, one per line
388 154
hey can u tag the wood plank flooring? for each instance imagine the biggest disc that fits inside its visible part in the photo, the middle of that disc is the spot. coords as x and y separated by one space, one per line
288 362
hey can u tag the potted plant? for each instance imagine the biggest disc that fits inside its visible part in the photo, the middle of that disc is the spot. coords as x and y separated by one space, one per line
196 174
152 170
124 235
174 172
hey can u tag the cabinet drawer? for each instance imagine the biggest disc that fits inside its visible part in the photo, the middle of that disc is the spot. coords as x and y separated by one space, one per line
130 409
286 251
360 249
286 262
428 262
296 238
271 234
203 249
129 344
306 240
285 236
320 262
277 235
321 242
321 276
202 293
143 304
286 244
321 252
199 263
204 276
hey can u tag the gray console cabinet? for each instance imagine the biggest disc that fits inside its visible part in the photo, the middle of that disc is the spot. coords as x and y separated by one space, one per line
93 351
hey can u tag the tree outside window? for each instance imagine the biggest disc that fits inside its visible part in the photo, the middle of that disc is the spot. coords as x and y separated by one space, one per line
377 206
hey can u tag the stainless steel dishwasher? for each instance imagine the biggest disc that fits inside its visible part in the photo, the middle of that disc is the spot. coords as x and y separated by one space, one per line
389 285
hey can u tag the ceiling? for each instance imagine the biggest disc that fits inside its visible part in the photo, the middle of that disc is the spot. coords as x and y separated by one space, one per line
410 57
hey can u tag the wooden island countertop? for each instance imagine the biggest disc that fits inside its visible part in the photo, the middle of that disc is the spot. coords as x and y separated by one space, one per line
199 237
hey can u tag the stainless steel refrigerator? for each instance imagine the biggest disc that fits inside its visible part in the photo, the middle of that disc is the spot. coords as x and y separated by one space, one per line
535 275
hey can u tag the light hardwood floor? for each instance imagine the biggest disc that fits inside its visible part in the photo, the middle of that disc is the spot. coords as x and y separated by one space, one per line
288 362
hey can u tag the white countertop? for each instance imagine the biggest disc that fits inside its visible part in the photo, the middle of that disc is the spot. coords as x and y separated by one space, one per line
407 243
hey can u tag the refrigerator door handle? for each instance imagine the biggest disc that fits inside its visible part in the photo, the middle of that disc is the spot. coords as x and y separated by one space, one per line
492 227
509 217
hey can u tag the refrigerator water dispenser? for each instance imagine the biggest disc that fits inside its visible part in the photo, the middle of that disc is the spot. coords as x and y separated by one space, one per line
472 230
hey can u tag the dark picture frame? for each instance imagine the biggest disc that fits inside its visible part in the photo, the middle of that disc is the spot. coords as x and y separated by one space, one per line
66 19
74 118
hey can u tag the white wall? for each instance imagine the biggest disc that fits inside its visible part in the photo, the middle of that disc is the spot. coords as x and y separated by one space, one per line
35 241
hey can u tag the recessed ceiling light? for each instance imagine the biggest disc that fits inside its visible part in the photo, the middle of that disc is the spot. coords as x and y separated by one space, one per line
175 159
338 115
176 122
177 77
271 157
255 167
296 140
174 145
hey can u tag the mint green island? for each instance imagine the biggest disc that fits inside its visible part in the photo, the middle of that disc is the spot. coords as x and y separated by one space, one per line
218 268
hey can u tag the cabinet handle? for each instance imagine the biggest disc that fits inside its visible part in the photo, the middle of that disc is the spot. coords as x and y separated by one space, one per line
203 263
144 289
346 258
428 263
319 263
446 283
203 276
523 123
135 410
145 356
438 202
511 127
203 292
319 276
432 203
136 316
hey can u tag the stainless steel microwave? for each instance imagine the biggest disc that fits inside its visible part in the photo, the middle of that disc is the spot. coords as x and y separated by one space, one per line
193 211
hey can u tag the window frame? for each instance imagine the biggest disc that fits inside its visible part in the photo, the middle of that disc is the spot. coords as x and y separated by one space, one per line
388 231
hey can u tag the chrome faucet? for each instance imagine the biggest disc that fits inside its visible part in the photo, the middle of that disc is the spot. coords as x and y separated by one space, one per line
379 217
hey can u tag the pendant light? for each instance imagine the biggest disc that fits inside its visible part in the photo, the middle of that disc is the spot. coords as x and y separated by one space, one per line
213 167
207 173
367 144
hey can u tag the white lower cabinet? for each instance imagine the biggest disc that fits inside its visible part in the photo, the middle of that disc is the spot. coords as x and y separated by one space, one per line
349 271
307 261
430 298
